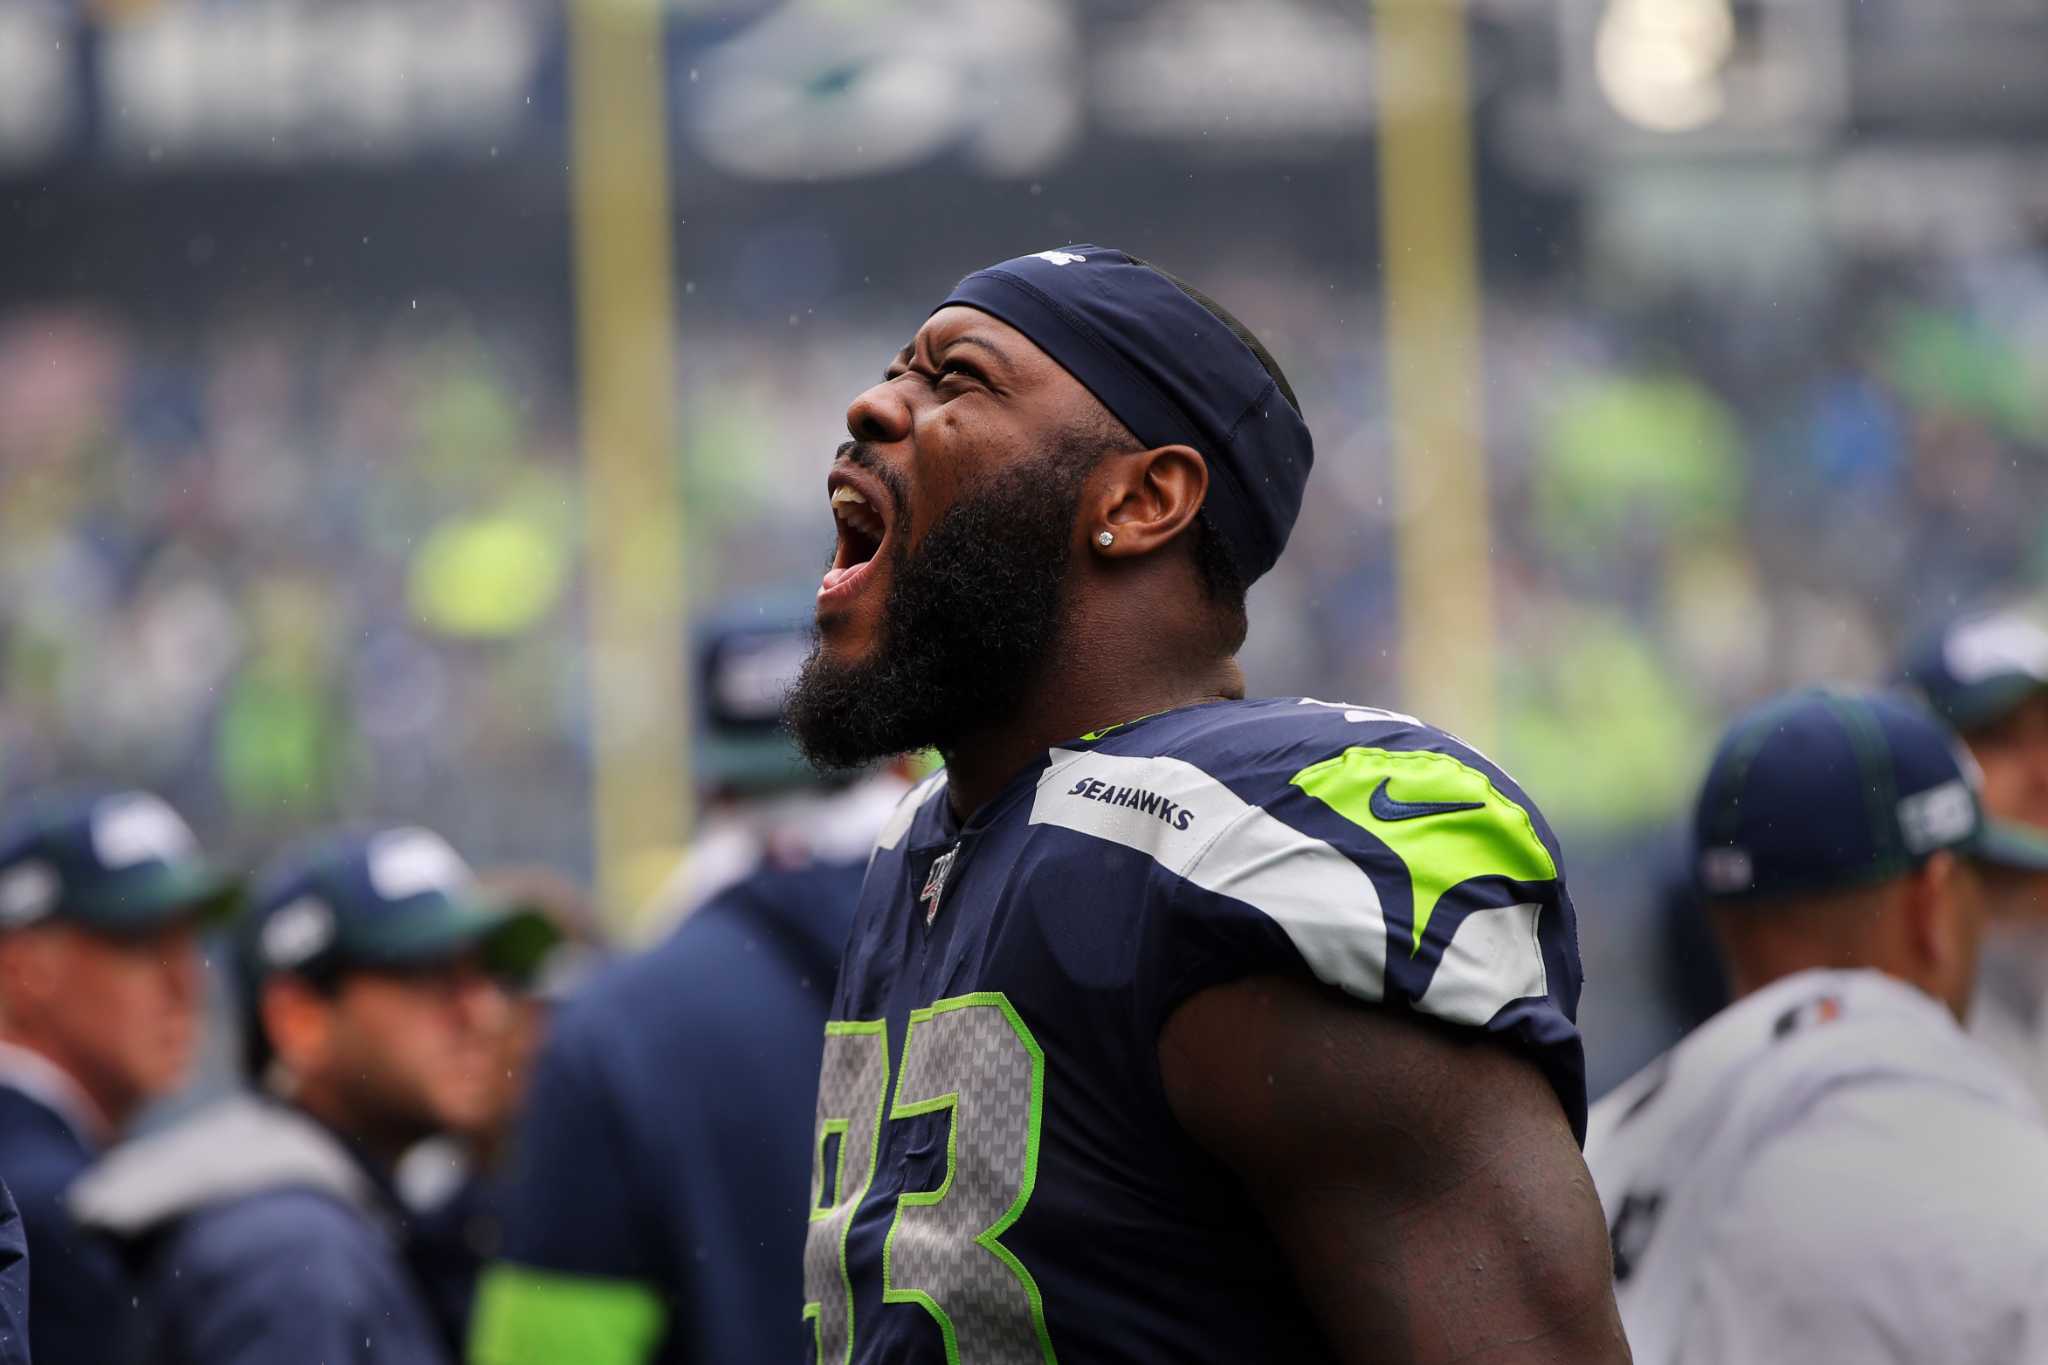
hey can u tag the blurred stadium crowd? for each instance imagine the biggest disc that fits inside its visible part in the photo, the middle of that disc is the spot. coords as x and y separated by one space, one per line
333 560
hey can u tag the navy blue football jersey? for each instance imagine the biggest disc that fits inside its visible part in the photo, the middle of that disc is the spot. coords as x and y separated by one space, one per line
997 1176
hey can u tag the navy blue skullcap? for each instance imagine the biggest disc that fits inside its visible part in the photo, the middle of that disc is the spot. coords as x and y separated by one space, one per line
1171 371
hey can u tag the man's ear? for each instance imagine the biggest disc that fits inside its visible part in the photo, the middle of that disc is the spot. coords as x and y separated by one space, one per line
1142 499
298 1020
1941 924
1923 901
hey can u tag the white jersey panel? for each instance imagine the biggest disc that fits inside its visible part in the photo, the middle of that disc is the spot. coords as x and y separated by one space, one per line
1198 829
1494 956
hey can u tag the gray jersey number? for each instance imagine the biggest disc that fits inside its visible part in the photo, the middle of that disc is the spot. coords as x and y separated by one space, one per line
974 1056
852 1084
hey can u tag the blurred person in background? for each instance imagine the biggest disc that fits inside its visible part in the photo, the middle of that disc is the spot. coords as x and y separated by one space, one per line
1830 1169
454 1183
267 1228
763 805
657 1209
1694 978
1987 675
102 989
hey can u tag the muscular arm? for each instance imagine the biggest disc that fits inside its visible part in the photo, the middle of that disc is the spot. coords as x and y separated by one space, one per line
1424 1184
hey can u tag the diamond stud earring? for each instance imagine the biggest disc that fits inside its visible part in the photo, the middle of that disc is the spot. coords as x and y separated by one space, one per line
1106 539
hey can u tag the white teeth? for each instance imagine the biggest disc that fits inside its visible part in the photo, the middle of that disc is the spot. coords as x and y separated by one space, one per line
850 507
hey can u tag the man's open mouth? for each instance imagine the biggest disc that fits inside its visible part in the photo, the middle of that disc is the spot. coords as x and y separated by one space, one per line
863 529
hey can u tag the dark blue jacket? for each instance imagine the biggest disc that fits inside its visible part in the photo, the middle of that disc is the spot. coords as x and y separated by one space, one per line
665 1152
285 1275
263 1241
81 1300
14 1317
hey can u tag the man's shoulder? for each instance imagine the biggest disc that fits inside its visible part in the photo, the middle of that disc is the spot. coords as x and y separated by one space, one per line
624 1011
310 1238
1280 727
291 1221
240 1149
1883 1188
1943 1148
285 1274
39 1154
28 1123
804 907
1399 862
1269 747
1384 790
772 926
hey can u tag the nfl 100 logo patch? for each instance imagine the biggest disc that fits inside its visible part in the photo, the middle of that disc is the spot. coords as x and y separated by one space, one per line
935 883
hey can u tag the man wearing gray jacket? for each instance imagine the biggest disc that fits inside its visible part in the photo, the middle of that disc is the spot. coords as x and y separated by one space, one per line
1830 1169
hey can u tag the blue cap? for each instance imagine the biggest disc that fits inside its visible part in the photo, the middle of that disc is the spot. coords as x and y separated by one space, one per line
1173 371
1819 790
119 862
1976 669
746 658
393 899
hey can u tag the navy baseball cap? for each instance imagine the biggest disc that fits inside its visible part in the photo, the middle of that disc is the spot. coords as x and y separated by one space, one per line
1821 790
746 658
1174 369
119 862
1975 669
392 899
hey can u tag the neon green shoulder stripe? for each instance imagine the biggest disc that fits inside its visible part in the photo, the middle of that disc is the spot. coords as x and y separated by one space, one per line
1444 819
538 1317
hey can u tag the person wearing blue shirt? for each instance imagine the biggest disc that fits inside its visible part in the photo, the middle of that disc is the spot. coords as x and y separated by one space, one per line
101 899
655 1211
267 1227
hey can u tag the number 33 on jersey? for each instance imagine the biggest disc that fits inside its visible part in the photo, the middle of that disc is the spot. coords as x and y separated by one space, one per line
997 1178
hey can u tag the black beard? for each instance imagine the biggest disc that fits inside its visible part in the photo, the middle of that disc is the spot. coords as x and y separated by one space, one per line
969 626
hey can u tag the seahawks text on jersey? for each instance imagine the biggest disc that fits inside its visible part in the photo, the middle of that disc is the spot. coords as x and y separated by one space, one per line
997 1177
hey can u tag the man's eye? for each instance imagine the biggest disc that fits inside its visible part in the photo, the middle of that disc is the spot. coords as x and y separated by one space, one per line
954 370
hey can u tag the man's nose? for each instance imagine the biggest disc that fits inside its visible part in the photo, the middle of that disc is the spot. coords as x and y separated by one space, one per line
881 415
